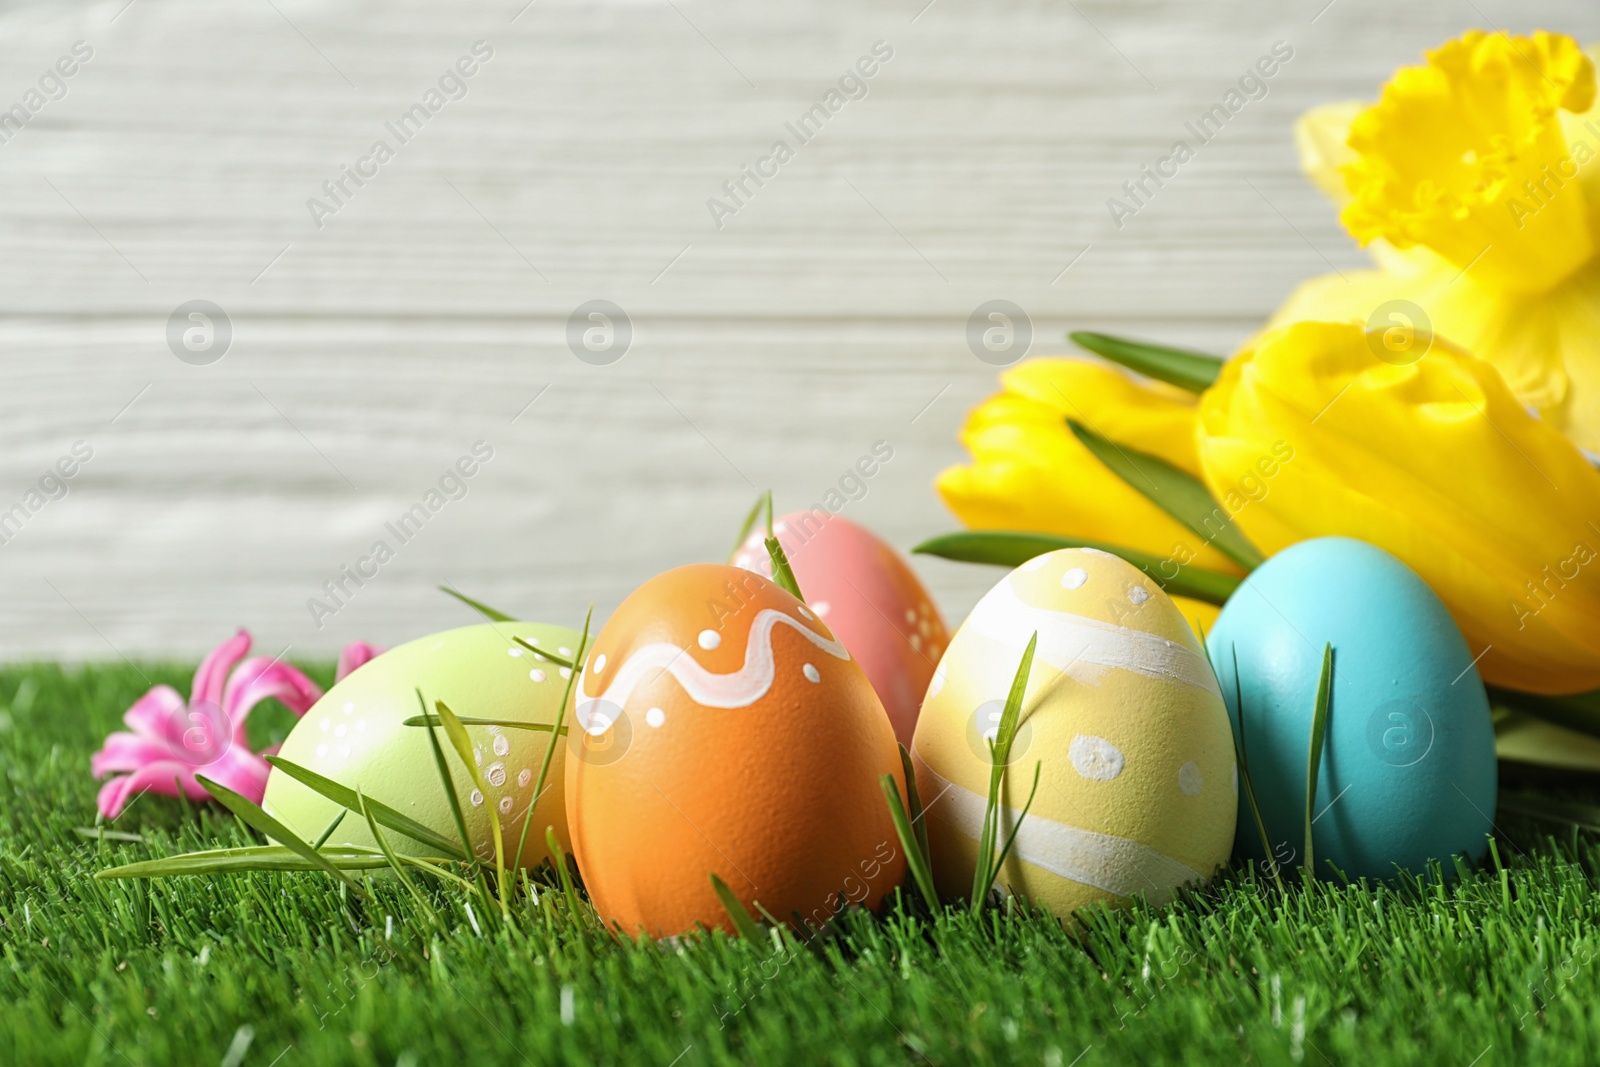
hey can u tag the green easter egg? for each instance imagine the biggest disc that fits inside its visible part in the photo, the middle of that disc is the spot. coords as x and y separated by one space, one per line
356 735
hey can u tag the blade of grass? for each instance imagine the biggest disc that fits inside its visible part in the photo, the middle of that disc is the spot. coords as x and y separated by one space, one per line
1177 492
1005 850
749 524
250 813
1319 730
463 746
568 889
481 608
388 854
1579 712
468 720
1183 367
580 657
781 572
332 826
914 801
742 919
984 873
1010 548
447 780
350 799
544 653
1241 757
248 858
916 859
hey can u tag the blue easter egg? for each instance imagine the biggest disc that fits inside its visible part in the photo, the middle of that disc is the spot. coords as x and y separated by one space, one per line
1408 772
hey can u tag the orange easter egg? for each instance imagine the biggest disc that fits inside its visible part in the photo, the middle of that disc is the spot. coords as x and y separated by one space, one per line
720 728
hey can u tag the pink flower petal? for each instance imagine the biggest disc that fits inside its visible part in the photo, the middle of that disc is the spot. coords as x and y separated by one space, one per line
258 678
242 771
158 715
124 752
164 777
355 655
213 672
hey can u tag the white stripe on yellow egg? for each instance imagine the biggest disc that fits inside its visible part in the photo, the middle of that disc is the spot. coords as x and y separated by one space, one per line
1121 713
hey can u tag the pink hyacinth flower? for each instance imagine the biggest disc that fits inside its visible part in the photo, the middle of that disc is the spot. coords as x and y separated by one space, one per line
354 655
170 740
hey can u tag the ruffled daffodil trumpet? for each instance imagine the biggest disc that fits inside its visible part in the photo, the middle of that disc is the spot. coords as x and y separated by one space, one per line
1472 182
1435 461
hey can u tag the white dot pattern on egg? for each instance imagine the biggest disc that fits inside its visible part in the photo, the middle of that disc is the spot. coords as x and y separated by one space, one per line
710 639
1095 758
655 717
1124 708
811 673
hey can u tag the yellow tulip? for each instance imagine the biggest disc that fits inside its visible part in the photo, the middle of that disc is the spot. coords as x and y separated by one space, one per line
1433 460
1030 473
1471 183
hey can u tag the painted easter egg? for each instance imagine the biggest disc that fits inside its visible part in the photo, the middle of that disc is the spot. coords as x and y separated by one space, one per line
355 736
1408 765
725 730
868 595
1122 716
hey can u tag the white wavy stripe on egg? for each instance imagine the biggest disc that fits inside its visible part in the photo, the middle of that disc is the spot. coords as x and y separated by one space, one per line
1123 716
738 689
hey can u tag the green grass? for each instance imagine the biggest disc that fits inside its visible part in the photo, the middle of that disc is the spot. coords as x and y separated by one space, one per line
1503 966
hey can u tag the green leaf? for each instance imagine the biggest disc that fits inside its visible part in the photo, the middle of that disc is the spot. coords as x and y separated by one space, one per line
481 608
988 868
749 524
250 813
383 813
1009 548
468 720
1319 732
249 858
916 858
1178 493
1185 368
742 919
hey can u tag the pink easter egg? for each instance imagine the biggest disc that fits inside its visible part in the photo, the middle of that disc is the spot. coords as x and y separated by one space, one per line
871 599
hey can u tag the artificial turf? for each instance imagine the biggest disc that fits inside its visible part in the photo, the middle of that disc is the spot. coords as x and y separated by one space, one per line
1501 966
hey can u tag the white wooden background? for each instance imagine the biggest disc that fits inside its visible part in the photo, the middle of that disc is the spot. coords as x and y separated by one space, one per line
368 355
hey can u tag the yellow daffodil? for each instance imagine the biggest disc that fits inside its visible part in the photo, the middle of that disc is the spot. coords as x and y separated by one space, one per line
1030 473
1433 460
1472 183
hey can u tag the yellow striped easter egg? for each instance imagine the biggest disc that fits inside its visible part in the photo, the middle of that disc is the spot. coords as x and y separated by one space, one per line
1138 790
